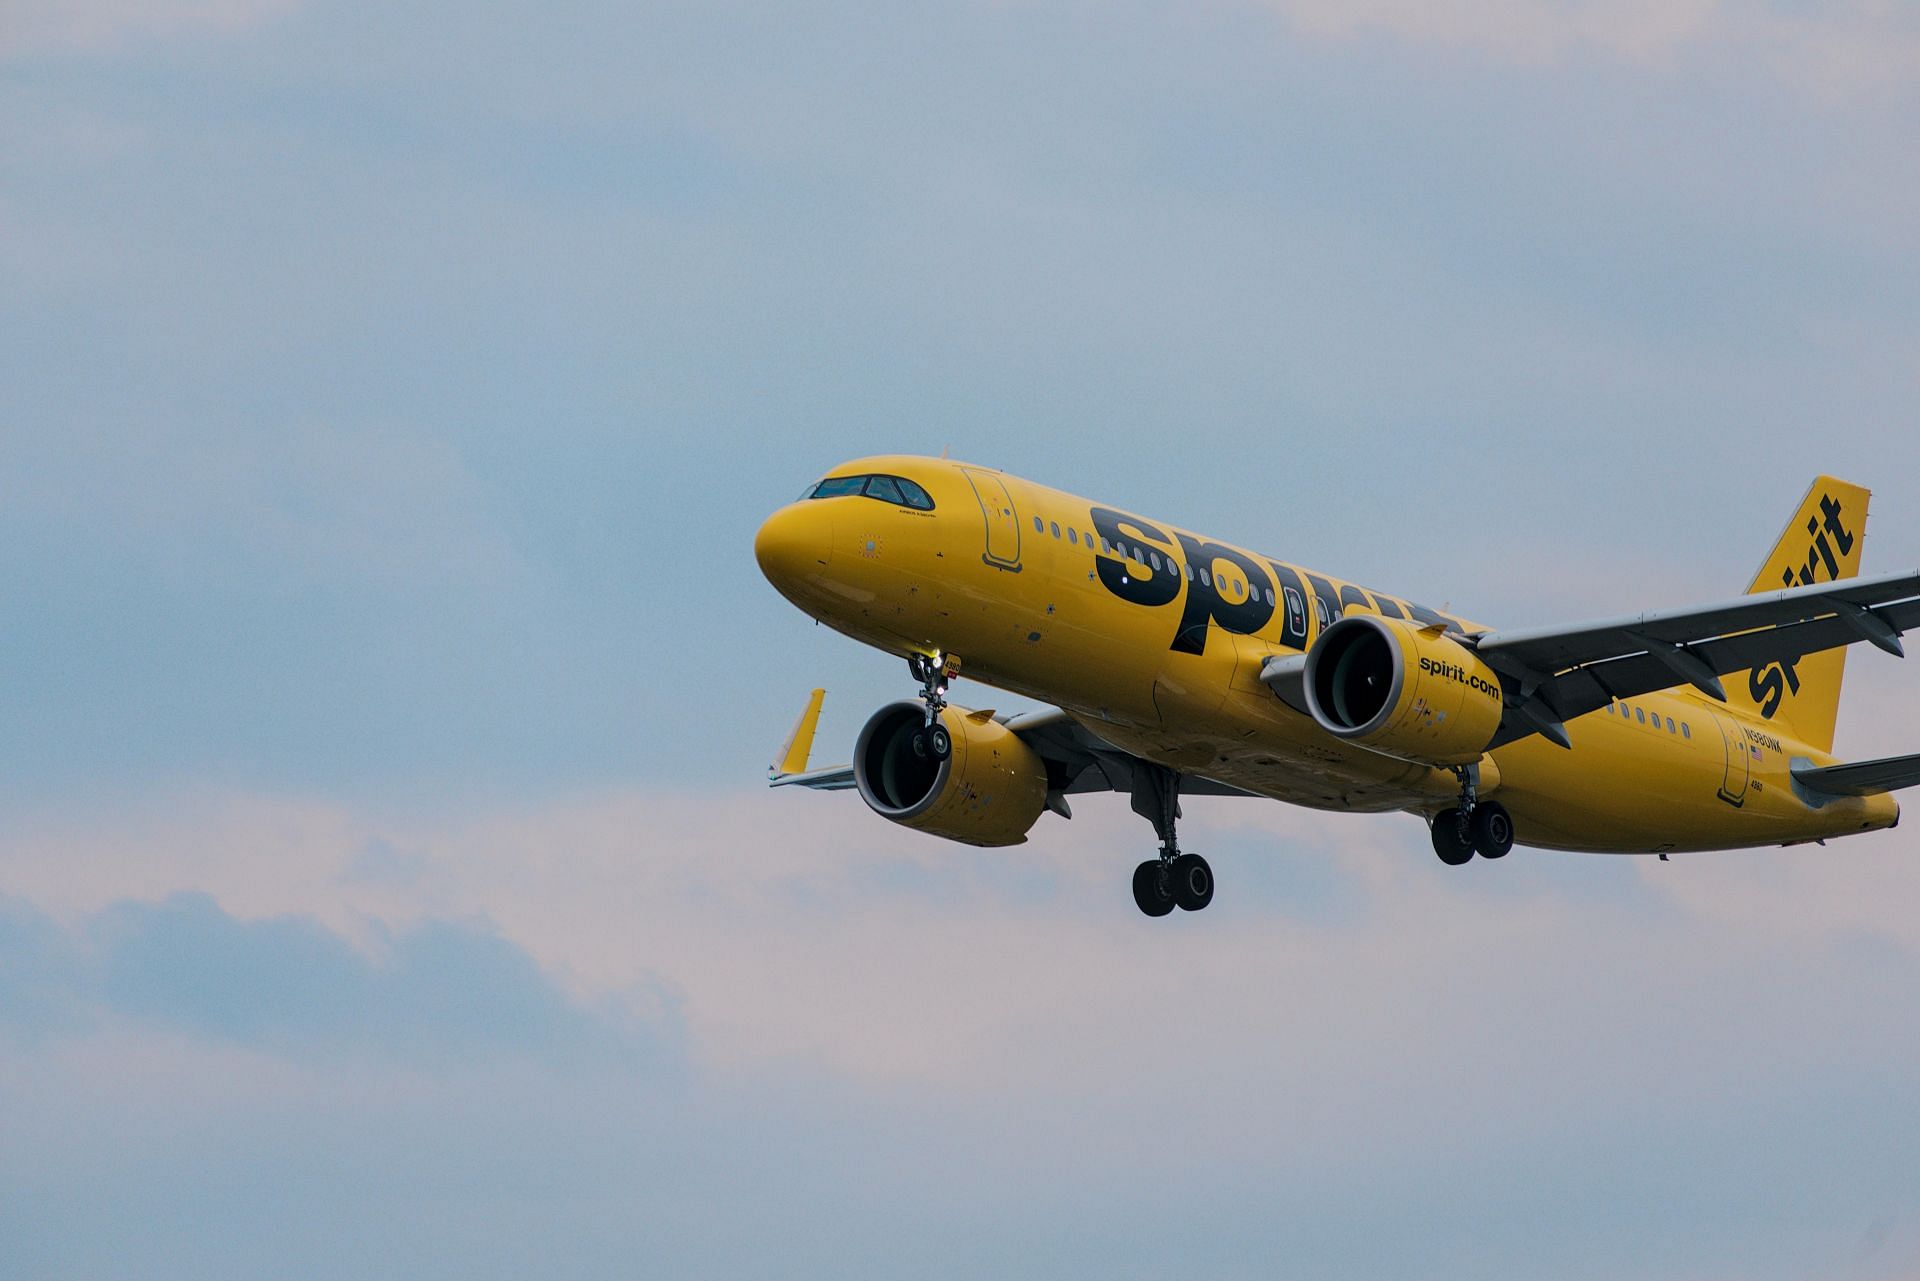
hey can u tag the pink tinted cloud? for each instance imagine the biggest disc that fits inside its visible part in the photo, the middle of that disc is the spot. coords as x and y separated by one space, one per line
803 930
51 26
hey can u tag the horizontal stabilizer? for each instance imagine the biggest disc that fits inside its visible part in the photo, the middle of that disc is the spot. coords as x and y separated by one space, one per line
1862 778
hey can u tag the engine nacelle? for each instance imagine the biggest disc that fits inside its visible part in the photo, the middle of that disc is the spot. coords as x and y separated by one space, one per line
1394 688
989 791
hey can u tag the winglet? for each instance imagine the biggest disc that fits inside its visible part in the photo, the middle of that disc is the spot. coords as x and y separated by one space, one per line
792 757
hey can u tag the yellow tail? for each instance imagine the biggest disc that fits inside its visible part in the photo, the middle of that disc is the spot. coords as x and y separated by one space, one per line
1821 543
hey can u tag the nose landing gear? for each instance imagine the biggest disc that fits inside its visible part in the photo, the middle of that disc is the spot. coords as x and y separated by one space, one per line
1174 879
932 741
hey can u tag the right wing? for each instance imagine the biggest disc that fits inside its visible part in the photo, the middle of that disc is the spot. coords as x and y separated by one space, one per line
1555 674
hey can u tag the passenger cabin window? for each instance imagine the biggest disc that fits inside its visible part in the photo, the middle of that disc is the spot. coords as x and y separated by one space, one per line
897 490
1039 526
1073 536
1640 713
1686 730
1670 725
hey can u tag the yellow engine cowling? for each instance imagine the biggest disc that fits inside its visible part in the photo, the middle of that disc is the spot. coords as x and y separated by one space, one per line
989 791
1404 691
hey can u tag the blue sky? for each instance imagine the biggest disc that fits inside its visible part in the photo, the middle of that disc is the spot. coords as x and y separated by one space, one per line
385 883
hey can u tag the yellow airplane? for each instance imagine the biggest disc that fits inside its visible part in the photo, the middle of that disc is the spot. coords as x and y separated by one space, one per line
1177 665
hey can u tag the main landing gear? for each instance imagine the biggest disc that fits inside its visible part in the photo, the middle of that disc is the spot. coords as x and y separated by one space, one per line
1474 826
1174 879
932 741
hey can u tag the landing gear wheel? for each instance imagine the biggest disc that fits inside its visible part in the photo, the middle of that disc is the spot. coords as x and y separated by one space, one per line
1453 845
1192 882
1151 891
939 743
1492 829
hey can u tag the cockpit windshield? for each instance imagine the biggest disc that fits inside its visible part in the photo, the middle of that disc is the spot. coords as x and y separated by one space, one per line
897 490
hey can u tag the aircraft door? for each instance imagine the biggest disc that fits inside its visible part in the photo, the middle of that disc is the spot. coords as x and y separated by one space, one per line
1739 766
1003 522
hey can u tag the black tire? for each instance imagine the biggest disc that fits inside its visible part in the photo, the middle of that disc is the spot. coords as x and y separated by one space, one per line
1492 830
919 743
1453 846
1151 892
939 743
1192 882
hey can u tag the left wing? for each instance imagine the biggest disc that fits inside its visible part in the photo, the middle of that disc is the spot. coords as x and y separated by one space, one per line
1078 760
789 768
1559 673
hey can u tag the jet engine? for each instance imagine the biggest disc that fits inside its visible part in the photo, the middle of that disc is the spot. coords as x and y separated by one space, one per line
989 791
1402 690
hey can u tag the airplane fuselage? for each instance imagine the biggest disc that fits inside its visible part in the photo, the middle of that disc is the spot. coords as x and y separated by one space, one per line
1154 637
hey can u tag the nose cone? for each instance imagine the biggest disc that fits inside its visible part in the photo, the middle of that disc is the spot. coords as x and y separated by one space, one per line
793 546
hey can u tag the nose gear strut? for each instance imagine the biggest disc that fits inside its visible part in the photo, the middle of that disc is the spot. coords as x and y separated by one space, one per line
932 740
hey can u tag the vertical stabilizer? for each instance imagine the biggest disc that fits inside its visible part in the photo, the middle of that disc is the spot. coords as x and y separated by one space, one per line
1822 542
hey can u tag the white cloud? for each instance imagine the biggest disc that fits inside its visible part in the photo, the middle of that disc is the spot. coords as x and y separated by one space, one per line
801 928
50 26
1862 45
1347 1006
1528 31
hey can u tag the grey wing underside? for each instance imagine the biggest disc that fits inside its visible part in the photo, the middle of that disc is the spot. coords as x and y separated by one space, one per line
834 778
1088 763
1554 674
1859 778
1078 761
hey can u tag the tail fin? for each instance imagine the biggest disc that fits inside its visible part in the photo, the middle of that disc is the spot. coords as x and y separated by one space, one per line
1822 542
